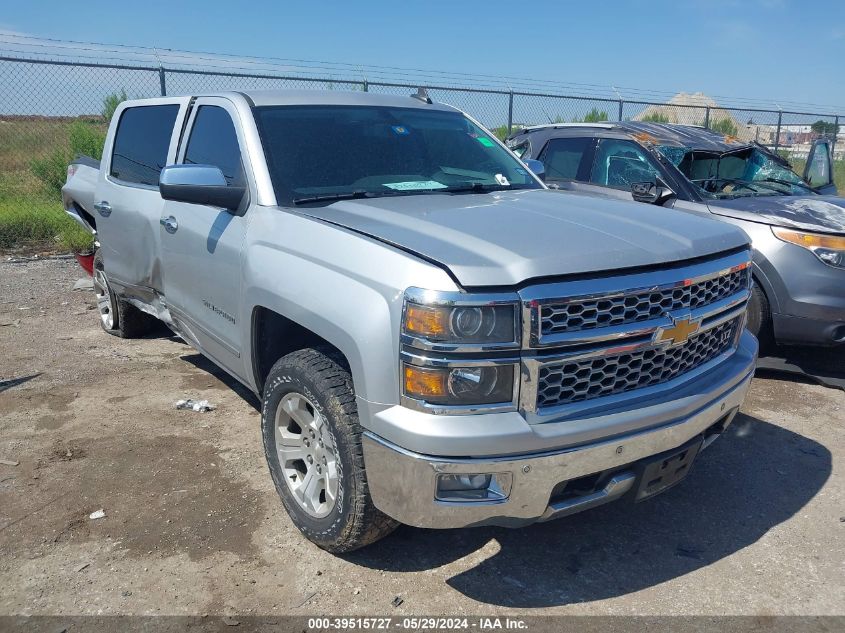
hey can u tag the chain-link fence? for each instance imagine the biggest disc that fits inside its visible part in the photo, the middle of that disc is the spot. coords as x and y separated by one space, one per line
53 110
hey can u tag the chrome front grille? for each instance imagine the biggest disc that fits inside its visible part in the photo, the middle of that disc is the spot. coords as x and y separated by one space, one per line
585 313
566 382
629 334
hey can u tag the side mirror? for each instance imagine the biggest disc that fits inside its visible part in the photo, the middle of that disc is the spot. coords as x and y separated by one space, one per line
199 184
537 167
656 192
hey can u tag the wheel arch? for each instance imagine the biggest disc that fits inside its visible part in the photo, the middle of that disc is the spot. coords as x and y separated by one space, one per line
274 335
761 280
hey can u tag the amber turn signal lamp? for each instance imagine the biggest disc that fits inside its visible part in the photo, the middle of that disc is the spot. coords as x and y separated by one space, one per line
423 382
810 240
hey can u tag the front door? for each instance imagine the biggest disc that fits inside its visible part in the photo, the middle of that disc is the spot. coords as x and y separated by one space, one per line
201 245
619 163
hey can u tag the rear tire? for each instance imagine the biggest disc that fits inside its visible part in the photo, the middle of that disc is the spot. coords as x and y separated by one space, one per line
117 317
312 441
760 317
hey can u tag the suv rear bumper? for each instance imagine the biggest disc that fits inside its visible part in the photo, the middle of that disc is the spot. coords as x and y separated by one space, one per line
403 483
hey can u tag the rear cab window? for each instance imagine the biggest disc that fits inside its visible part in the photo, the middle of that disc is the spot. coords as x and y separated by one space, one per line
141 143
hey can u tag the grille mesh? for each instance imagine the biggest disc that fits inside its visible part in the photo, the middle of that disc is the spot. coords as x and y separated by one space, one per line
567 382
572 316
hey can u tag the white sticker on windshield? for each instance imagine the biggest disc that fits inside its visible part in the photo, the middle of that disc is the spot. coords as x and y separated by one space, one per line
500 178
415 185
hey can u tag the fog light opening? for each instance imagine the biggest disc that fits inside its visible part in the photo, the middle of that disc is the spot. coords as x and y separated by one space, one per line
473 487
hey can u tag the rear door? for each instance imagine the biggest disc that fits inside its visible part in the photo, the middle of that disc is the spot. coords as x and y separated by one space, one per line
127 203
201 244
819 169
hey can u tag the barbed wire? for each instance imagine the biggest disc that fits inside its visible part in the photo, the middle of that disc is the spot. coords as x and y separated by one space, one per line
51 48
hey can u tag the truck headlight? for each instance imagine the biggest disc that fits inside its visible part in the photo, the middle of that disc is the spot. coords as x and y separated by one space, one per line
459 386
470 322
460 351
830 249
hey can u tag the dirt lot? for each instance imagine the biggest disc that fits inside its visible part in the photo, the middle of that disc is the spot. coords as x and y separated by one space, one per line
193 525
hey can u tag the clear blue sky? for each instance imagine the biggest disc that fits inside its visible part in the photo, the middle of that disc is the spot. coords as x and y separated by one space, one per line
763 49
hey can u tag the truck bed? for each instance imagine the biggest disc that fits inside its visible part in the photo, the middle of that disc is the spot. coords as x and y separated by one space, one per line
79 190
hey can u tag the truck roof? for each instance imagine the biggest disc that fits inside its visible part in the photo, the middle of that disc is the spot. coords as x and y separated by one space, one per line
338 97
310 97
692 136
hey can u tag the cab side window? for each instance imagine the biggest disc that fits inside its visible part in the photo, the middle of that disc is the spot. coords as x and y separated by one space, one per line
213 141
141 143
562 157
620 163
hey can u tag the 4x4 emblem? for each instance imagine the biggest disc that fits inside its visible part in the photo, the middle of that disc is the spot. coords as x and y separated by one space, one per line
679 332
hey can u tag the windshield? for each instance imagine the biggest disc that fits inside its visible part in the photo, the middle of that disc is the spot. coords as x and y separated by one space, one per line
746 171
325 153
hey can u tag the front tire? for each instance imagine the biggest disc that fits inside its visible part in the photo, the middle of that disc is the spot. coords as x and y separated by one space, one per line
760 317
312 441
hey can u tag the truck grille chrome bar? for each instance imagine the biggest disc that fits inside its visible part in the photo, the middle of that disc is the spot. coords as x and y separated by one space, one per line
578 314
623 336
575 381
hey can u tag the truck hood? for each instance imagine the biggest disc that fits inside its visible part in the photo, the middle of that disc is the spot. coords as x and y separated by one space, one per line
506 238
825 214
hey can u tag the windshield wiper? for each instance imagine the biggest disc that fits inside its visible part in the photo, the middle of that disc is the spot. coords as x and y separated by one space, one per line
478 186
326 197
748 184
788 183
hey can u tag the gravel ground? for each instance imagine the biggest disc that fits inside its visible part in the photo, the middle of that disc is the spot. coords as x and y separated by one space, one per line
193 525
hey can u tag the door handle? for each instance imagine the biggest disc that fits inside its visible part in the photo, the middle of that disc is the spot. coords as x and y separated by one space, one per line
103 208
169 223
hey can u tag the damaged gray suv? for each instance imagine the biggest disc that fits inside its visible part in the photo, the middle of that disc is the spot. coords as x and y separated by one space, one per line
796 223
436 338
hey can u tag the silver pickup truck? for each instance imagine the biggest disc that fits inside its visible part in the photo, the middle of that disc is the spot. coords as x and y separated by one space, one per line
436 338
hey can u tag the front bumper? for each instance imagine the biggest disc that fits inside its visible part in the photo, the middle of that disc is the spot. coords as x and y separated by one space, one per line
402 482
807 331
808 306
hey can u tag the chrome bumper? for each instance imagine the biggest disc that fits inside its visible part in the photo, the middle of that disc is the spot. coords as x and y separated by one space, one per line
403 482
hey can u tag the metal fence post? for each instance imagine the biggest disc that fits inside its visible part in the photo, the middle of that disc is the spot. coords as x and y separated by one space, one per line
835 135
777 133
510 112
161 81
366 85
707 117
619 116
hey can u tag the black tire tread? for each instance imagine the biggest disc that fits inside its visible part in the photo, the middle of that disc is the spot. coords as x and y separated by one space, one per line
759 302
326 368
130 322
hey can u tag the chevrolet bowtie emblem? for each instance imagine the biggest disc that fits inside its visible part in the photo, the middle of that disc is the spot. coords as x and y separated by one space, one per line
679 332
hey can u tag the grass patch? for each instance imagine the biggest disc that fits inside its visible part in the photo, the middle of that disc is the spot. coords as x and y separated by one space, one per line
34 153
40 225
